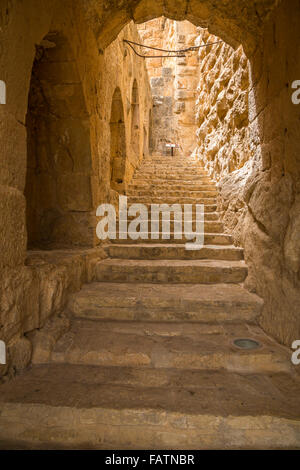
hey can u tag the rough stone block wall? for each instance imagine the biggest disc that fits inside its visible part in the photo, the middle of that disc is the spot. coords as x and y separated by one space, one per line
271 188
222 106
247 139
173 83
120 68
155 33
34 288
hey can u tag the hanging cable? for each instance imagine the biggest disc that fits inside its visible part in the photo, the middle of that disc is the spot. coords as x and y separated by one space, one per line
177 53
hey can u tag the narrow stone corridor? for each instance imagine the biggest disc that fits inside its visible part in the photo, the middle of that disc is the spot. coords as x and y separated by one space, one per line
147 351
149 224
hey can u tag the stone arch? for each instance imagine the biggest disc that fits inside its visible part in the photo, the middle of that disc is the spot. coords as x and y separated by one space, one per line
239 24
117 143
58 180
135 120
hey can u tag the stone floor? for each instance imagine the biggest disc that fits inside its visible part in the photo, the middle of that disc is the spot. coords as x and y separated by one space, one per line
144 356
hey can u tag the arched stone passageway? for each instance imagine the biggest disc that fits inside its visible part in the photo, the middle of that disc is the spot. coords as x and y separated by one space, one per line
117 143
272 140
158 308
58 188
241 23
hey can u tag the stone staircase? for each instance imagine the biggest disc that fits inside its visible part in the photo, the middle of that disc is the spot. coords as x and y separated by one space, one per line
149 360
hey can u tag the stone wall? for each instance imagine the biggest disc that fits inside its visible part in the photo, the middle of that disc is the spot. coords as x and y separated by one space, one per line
173 83
248 139
120 68
222 106
62 186
155 33
271 194
58 185
67 129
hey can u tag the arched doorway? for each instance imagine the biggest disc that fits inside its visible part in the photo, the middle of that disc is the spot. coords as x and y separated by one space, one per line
117 143
58 186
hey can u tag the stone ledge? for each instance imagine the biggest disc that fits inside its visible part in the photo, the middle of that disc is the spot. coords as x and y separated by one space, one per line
32 294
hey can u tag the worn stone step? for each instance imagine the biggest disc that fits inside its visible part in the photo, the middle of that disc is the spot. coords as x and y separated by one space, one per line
209 239
62 406
209 226
180 159
165 193
177 271
173 251
169 345
165 302
174 161
171 200
208 207
187 175
172 164
171 187
208 216
171 168
181 182
170 177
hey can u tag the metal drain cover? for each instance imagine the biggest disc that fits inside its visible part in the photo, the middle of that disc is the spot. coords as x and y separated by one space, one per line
246 343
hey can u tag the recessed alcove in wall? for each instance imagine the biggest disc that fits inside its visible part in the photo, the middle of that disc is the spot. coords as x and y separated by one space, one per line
117 143
58 186
135 120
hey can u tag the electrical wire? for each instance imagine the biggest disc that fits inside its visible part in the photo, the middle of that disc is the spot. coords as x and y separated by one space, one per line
178 53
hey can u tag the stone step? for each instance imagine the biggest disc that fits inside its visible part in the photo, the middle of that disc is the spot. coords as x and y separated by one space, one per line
171 200
163 187
170 159
62 406
209 239
208 216
173 182
170 177
203 303
209 226
171 167
173 251
169 345
165 193
169 174
208 208
173 271
174 161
